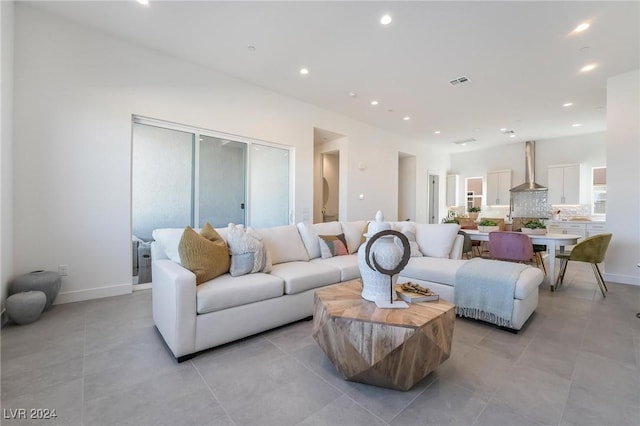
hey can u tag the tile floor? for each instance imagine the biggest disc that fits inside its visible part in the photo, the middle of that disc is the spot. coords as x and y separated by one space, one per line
576 362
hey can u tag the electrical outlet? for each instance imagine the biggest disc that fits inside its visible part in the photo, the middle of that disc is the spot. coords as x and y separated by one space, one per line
63 270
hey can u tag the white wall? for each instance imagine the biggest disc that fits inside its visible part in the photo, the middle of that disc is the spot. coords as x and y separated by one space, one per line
623 178
75 92
6 149
589 150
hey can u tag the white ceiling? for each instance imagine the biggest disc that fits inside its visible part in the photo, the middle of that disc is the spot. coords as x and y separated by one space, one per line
521 58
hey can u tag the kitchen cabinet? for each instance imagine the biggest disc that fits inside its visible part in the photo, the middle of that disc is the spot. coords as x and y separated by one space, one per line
596 228
452 190
573 228
498 186
584 229
564 184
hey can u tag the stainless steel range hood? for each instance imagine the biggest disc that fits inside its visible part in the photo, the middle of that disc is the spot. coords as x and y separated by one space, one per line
529 170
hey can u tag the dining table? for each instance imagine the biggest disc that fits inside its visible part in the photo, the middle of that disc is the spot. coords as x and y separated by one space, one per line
554 242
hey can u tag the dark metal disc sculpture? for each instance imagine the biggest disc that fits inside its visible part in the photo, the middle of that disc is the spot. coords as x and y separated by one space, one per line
376 266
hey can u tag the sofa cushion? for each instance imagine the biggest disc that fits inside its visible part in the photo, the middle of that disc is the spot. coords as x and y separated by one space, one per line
432 269
169 239
348 266
205 254
436 240
409 231
302 276
284 244
248 252
354 233
309 234
332 245
226 291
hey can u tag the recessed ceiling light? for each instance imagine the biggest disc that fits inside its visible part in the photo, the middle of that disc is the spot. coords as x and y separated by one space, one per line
406 118
374 102
512 135
437 132
143 2
353 94
304 71
576 125
504 129
588 68
386 19
580 28
567 104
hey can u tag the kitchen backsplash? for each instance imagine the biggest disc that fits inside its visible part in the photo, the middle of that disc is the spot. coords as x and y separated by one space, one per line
530 204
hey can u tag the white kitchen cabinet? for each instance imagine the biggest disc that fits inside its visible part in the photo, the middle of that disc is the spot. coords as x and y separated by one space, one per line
573 228
452 190
564 184
596 228
498 186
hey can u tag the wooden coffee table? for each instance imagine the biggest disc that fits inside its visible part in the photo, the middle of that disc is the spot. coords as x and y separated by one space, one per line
392 348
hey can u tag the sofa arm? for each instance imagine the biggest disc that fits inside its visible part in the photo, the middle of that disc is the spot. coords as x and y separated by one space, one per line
173 297
456 250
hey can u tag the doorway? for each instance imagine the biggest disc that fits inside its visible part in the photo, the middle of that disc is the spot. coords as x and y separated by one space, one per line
434 198
330 186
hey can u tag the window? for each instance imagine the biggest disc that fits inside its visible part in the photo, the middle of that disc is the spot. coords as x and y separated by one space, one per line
474 192
598 190
187 176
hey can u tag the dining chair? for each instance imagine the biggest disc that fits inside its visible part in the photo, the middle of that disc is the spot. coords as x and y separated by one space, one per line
509 245
467 245
591 250
476 246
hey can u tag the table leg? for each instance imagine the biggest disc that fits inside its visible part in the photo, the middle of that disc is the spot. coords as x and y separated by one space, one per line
552 265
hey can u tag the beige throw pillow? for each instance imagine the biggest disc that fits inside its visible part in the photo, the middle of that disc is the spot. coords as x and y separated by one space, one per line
205 254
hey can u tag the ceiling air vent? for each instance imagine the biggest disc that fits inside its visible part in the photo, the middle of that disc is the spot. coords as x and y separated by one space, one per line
464 141
459 80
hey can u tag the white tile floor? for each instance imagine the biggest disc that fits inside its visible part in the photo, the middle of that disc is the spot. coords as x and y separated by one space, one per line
576 362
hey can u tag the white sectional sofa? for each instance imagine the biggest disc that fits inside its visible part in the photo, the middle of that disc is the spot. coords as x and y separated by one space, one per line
193 318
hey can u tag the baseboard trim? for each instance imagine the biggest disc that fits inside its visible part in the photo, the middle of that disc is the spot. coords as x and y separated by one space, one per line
622 279
92 293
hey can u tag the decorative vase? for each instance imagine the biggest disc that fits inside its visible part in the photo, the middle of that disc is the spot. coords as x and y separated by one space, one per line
47 282
26 307
384 254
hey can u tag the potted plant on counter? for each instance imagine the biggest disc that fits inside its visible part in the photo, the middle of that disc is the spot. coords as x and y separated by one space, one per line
534 227
487 225
473 212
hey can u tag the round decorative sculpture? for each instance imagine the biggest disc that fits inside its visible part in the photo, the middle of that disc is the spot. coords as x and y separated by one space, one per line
380 261
26 307
47 282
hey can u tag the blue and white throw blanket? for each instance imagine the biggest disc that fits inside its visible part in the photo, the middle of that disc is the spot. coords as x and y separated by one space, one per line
485 290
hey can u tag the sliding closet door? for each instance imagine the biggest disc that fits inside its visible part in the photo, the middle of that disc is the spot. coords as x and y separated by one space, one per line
161 179
221 182
269 189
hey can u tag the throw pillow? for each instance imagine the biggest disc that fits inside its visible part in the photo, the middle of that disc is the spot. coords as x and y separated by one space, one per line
248 252
205 254
409 231
332 245
354 233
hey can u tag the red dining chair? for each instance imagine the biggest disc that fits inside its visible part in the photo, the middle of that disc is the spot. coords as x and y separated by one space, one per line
507 245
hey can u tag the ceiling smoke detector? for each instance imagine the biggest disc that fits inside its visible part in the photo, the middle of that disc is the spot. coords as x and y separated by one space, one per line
459 80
